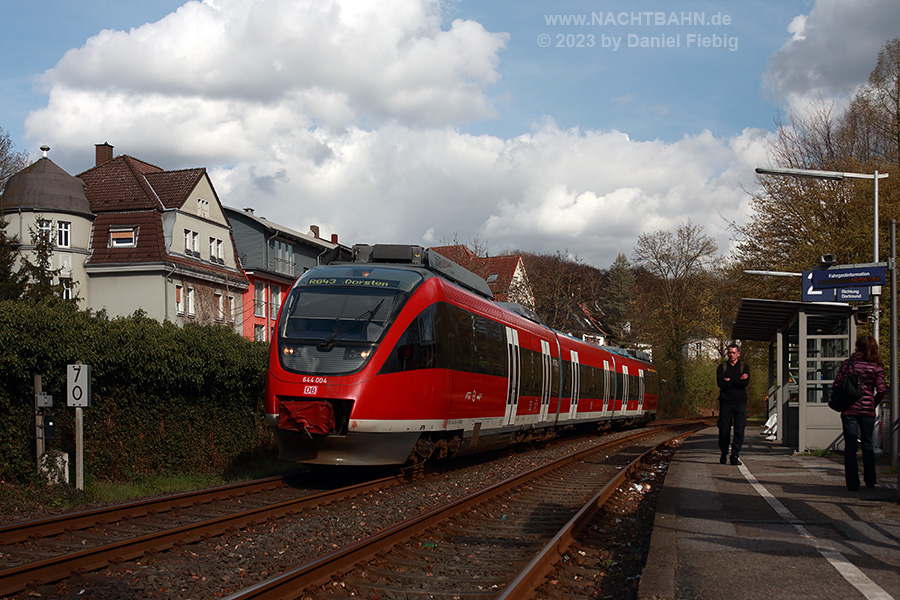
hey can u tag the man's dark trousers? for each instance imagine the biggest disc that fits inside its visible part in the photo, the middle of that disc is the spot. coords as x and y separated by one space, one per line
732 413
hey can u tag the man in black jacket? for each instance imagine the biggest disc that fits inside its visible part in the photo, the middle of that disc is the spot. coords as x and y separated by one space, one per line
732 377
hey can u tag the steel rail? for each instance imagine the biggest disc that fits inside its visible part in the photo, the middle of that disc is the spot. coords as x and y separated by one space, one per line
36 528
320 571
20 577
527 581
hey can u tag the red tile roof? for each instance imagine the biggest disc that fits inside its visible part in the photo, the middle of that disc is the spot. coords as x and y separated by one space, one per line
120 184
129 193
459 254
172 187
504 267
150 239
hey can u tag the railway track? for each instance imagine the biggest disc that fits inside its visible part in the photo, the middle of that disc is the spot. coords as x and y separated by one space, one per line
34 553
504 538
37 553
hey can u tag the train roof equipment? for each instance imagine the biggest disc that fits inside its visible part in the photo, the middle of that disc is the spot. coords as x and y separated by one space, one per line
417 256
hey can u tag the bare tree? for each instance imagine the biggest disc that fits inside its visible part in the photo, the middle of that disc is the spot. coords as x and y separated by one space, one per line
11 162
677 295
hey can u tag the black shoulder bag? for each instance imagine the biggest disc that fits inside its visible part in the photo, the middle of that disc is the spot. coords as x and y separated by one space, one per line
847 392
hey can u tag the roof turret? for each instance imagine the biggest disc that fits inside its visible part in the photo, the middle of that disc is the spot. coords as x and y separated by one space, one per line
45 186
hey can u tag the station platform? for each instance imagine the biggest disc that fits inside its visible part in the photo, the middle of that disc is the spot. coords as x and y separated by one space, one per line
778 526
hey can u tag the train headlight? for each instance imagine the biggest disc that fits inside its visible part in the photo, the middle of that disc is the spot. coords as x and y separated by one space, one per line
287 350
356 353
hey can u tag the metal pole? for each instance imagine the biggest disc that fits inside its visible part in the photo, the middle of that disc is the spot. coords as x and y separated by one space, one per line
79 448
38 424
876 329
895 385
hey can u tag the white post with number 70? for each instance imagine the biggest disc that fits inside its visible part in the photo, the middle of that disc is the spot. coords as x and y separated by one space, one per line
78 394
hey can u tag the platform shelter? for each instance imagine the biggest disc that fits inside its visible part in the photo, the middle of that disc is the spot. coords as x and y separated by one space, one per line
807 343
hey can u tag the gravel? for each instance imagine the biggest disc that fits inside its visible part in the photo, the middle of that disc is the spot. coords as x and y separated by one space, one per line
220 566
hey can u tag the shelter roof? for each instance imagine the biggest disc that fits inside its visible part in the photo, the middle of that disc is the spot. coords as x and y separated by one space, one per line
760 319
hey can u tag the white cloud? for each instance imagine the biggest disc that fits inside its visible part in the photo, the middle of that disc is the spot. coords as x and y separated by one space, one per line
343 114
832 50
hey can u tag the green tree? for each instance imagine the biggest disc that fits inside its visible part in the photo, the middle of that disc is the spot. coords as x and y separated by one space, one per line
39 276
618 299
12 281
796 220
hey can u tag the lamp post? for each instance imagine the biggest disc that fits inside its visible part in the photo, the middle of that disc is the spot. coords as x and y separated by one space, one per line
840 176
875 176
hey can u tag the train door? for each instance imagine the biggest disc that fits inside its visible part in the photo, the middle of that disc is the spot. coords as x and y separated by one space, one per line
547 379
640 390
576 385
624 389
607 390
512 386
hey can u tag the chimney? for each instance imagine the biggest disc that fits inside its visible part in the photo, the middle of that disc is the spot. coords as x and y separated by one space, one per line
314 229
334 239
104 153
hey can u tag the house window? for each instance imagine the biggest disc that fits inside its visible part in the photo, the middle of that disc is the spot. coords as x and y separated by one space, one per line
259 333
123 238
66 285
65 262
220 307
259 299
191 243
276 301
492 277
203 208
229 309
283 257
216 251
62 234
179 299
189 302
45 231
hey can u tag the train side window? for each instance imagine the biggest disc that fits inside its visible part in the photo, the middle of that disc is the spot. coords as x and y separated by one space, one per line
418 347
554 377
587 382
531 373
634 388
567 379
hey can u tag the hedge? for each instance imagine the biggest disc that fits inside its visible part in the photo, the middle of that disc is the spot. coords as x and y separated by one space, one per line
163 398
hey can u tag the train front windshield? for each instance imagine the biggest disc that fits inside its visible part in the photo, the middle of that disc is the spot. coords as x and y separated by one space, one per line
334 317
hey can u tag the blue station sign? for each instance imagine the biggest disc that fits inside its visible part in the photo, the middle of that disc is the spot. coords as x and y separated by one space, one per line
851 277
811 294
852 294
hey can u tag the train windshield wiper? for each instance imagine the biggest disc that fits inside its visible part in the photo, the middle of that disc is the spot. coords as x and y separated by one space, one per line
328 343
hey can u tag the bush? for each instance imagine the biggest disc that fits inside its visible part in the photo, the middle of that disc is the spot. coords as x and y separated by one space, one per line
163 398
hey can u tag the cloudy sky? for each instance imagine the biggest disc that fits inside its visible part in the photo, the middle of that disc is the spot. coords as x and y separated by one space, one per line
534 125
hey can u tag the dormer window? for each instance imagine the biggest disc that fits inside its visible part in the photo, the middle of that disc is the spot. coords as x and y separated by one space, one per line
492 277
191 243
123 237
216 251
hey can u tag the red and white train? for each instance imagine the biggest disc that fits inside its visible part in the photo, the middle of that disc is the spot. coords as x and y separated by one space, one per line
402 355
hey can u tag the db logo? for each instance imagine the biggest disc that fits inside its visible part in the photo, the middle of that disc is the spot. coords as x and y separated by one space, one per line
473 396
310 390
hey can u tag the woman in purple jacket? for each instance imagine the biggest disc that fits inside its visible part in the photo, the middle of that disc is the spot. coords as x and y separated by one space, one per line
859 420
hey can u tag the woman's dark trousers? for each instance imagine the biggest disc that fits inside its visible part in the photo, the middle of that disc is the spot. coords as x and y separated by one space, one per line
861 428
